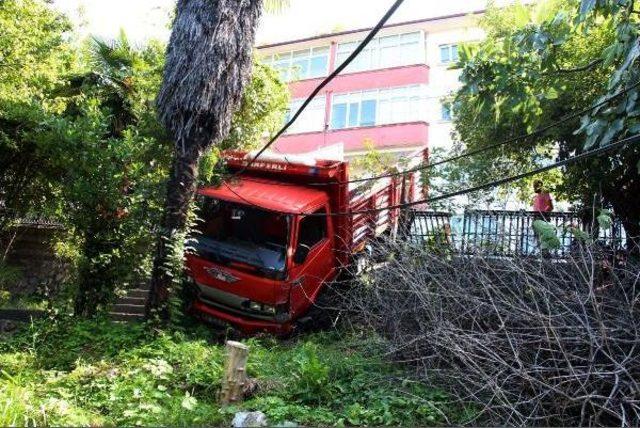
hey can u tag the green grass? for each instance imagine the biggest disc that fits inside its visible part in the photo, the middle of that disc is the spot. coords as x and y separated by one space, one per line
71 372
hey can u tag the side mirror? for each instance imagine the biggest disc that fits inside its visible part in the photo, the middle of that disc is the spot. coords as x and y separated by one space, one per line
301 254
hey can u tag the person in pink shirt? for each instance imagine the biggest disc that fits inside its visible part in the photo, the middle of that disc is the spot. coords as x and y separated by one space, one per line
542 202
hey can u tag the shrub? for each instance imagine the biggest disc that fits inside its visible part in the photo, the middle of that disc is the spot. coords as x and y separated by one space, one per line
67 371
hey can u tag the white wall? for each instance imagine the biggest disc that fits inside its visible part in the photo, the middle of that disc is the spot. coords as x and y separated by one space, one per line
442 80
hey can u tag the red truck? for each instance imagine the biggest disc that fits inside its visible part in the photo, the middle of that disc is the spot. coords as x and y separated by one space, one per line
266 242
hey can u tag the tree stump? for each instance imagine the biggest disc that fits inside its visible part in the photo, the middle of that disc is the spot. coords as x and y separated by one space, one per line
235 377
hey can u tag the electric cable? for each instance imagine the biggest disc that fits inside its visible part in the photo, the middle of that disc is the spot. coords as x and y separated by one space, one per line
326 81
634 139
594 152
533 133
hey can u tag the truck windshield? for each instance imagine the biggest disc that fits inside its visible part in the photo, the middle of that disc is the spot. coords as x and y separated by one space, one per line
228 232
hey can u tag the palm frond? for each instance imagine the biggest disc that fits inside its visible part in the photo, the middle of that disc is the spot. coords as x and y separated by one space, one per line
112 55
276 6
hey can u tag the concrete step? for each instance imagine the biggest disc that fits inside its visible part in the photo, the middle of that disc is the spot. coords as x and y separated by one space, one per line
128 309
144 285
130 300
121 316
138 292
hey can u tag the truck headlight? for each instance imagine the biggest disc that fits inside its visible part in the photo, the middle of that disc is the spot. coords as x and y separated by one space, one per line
260 307
271 310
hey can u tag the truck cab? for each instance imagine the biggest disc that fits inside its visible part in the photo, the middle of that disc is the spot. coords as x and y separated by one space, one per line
261 252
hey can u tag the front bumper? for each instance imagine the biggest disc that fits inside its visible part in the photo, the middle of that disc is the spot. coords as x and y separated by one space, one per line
246 325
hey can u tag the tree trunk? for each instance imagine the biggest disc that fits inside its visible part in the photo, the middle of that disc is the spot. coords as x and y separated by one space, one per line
96 276
208 64
235 377
622 193
180 191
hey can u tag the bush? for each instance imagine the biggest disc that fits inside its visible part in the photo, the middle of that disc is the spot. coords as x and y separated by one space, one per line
70 372
528 341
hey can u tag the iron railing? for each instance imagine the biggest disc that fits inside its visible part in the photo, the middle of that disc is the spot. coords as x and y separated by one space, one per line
507 233
10 217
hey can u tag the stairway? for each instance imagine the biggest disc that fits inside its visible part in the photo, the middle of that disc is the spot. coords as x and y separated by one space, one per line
131 306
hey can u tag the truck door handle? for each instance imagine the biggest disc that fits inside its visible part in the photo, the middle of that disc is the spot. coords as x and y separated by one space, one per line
298 282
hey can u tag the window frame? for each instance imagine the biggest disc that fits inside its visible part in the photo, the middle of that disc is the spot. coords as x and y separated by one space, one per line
407 94
287 60
320 100
450 48
448 117
371 57
316 215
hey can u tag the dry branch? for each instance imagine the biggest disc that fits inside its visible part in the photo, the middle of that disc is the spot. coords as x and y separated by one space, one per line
524 341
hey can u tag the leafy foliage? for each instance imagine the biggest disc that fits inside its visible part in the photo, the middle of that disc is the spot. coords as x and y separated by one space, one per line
65 372
547 234
538 64
32 53
80 141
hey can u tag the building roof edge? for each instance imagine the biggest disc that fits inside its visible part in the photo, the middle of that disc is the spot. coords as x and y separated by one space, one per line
360 30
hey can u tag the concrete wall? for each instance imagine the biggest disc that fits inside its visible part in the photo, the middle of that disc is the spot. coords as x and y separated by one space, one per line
32 251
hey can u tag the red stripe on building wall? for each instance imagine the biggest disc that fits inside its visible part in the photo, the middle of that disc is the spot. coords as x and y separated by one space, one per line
400 135
365 80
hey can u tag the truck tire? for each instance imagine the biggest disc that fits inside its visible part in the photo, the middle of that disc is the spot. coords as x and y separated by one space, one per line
324 312
188 294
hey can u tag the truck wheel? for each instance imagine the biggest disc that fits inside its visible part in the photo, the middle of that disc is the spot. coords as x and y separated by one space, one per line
323 314
188 294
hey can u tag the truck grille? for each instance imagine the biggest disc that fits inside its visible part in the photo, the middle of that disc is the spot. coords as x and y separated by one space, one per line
229 302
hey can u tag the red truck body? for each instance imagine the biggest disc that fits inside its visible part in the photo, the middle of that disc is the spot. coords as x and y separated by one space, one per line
267 244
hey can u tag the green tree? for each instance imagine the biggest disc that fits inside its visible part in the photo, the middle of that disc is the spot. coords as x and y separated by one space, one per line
33 55
116 190
115 158
86 146
537 64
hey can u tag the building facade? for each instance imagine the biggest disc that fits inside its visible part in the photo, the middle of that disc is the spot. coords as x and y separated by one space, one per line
392 97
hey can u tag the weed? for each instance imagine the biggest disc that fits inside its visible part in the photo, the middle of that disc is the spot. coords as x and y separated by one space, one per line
70 372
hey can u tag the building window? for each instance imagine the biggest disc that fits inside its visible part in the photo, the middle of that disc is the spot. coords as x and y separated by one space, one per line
448 53
302 64
378 107
384 52
311 119
445 113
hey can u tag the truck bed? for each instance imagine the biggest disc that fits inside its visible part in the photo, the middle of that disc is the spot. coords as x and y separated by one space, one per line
385 192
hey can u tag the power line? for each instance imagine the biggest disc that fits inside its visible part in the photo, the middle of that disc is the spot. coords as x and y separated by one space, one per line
595 152
536 132
326 81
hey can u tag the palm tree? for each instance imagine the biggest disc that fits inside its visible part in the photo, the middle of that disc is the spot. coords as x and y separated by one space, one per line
207 66
112 65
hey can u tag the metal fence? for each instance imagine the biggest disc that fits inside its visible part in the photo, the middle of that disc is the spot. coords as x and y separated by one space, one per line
507 233
11 218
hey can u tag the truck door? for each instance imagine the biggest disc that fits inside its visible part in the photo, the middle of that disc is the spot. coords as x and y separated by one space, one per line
314 260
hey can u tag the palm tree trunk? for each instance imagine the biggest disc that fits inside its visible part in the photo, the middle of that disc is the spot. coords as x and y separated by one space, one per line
180 191
208 64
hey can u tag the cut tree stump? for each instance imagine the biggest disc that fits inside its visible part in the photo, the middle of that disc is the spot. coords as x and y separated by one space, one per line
235 377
